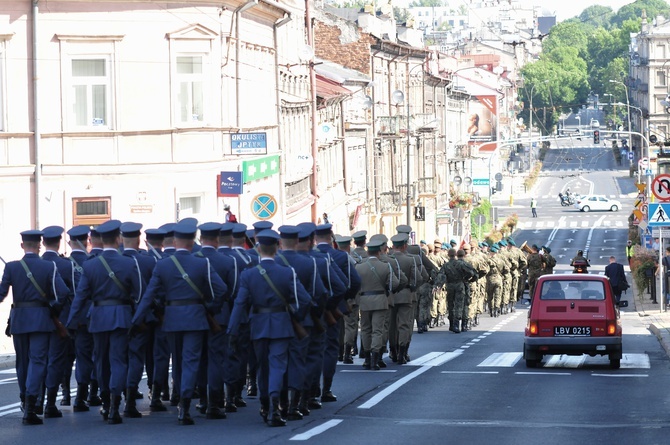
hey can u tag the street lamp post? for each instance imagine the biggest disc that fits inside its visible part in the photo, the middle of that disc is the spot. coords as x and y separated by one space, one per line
627 101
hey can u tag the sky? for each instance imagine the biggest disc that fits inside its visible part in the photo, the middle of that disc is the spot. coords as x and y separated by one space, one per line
566 9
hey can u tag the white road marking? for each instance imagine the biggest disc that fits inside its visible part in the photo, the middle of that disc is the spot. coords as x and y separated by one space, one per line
469 372
503 359
317 430
620 375
425 358
542 373
444 357
367 370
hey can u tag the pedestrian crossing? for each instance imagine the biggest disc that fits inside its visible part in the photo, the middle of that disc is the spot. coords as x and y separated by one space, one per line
571 224
512 359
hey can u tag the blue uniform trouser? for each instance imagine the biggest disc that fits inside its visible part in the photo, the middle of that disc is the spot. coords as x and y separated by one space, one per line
57 358
187 352
331 351
297 362
314 364
137 347
244 350
32 351
111 360
161 356
83 350
223 366
272 356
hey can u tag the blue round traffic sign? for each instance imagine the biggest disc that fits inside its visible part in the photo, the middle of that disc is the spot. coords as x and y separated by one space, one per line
264 206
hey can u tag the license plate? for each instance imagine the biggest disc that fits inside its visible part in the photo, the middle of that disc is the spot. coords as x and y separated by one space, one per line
579 331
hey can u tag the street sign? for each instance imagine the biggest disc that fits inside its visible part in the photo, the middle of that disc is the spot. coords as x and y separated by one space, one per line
230 184
630 155
480 219
458 180
658 214
644 162
264 206
648 172
480 181
498 176
660 187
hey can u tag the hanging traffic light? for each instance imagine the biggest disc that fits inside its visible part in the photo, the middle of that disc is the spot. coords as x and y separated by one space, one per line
493 190
596 137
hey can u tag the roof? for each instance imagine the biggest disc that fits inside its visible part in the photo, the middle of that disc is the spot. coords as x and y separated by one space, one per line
339 73
327 89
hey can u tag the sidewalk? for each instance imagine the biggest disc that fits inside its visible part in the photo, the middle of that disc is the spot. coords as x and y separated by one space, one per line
657 322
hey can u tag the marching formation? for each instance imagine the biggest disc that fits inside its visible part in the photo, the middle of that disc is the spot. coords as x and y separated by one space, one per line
269 312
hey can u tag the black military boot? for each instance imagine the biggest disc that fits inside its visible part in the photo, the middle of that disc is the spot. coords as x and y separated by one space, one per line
93 398
401 355
252 387
104 405
293 411
302 406
80 399
22 406
394 354
230 398
265 408
51 411
114 415
374 361
327 395
366 362
239 401
313 402
174 399
29 416
457 328
66 400
381 363
39 405
465 325
283 402
131 404
156 405
348 359
276 419
184 416
213 410
165 391
202 406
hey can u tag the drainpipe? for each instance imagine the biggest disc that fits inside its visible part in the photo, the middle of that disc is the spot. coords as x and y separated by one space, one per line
312 81
238 14
282 172
36 121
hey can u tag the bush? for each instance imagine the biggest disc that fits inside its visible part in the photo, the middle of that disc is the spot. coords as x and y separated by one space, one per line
643 260
529 182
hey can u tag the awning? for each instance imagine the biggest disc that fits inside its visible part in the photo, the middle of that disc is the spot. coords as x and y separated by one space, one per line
488 147
327 89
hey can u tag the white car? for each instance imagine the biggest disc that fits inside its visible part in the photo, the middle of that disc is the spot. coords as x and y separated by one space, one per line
595 123
595 202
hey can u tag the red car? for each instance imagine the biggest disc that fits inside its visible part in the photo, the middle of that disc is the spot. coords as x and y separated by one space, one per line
573 314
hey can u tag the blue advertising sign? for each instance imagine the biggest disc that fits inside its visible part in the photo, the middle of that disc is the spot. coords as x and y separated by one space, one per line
230 183
248 143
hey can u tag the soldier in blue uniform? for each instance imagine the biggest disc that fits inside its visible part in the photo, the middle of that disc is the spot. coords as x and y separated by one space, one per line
307 272
38 292
96 243
324 236
188 288
334 281
83 340
215 359
169 250
59 347
274 295
112 282
130 234
244 349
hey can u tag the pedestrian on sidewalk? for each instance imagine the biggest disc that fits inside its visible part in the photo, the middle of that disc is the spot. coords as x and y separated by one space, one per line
629 251
614 271
666 272
533 207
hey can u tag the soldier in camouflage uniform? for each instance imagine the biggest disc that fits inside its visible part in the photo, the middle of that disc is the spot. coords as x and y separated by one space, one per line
472 257
439 305
424 296
535 268
520 259
352 319
508 277
494 281
549 261
483 269
457 273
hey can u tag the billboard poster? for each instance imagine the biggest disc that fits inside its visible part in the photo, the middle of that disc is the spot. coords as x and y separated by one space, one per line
481 123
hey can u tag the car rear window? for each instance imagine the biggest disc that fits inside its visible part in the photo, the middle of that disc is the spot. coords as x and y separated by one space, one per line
572 290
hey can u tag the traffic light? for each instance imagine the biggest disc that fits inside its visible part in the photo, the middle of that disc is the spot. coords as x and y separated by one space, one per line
596 137
493 190
499 186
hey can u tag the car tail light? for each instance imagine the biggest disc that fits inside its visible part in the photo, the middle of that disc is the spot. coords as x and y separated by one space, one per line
611 328
532 327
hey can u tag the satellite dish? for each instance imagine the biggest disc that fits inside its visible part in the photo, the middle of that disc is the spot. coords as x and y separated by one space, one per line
367 102
498 70
306 53
397 97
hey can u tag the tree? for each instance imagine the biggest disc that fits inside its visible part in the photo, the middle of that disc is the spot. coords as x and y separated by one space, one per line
634 10
597 15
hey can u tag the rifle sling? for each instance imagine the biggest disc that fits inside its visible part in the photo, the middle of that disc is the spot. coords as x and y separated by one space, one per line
32 279
186 278
264 274
112 275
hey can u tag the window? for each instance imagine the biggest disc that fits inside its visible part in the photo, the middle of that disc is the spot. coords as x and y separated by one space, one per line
91 211
90 92
190 95
189 206
660 79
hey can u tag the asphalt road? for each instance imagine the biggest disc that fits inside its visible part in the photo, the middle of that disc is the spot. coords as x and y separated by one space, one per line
470 388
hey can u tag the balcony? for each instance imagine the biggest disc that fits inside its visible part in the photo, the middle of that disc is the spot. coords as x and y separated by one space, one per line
390 202
427 185
390 125
425 123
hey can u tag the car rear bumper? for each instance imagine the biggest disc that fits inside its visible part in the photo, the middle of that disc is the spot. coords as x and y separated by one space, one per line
573 345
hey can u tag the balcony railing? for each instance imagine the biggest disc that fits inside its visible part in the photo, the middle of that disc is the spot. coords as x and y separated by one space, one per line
390 125
427 185
390 201
425 122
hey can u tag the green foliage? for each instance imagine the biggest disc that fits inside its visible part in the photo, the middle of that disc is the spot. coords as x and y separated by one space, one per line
597 15
634 10
484 209
427 3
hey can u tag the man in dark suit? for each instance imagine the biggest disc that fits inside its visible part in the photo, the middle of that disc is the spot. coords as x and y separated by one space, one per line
188 288
270 291
38 292
614 271
113 283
